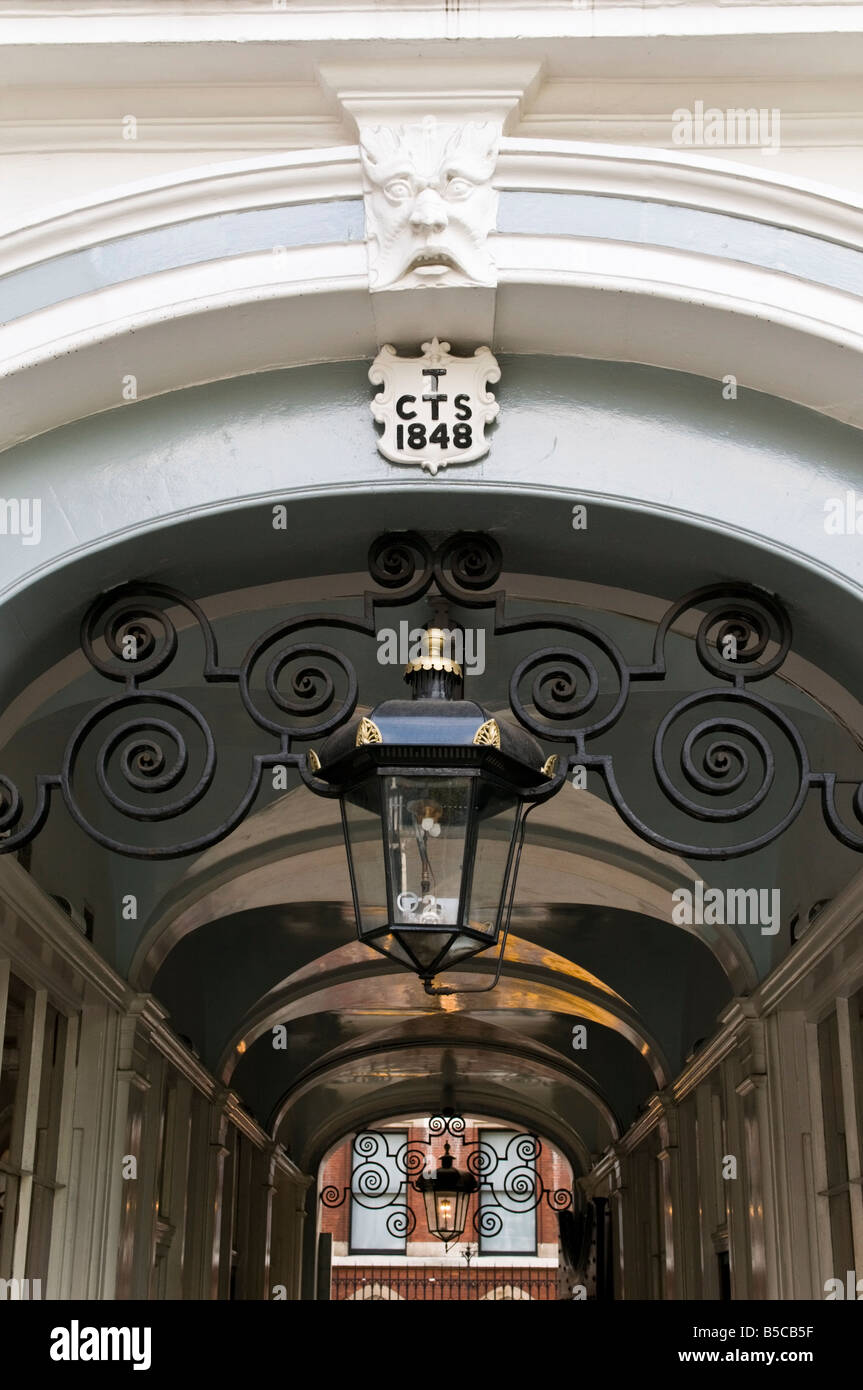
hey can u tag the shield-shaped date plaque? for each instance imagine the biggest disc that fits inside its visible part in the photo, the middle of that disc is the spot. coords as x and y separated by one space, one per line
434 408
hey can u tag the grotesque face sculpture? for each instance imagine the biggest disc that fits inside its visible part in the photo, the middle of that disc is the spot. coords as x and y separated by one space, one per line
429 203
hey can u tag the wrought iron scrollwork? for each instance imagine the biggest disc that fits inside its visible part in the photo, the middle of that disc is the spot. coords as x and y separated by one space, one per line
508 1183
380 1179
448 1122
715 752
147 755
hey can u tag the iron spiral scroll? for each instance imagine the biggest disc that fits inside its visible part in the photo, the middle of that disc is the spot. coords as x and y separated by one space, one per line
720 757
510 1183
375 1168
385 1168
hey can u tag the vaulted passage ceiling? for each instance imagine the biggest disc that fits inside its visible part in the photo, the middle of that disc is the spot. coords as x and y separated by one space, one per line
603 995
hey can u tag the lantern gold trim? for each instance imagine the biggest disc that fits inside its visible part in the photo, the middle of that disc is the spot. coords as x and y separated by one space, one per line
434 656
488 734
368 732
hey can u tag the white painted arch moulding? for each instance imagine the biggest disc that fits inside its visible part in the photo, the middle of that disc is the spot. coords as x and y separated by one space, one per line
605 300
592 298
561 166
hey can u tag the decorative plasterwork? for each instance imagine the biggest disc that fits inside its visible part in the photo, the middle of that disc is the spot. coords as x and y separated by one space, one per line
674 177
59 363
429 151
430 204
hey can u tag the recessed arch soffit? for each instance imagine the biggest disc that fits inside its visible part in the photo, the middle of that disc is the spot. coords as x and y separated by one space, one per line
215 990
749 481
489 1077
309 1047
495 1051
580 854
535 980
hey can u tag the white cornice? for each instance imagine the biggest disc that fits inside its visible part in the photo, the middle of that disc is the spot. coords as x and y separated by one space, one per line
102 134
66 959
799 131
833 942
393 92
281 21
253 133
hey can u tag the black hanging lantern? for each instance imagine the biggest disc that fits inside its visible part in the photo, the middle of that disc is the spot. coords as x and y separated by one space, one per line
433 793
446 1195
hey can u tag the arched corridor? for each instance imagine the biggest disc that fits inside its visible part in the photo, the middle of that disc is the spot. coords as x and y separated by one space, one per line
430 572
286 1032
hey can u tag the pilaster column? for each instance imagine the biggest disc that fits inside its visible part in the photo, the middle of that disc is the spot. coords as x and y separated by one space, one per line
752 1088
217 1153
625 1241
791 1099
670 1196
128 1254
849 1033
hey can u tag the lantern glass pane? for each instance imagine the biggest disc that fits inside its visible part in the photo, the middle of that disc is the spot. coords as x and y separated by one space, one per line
446 1213
446 1204
497 824
424 945
362 820
425 835
461 947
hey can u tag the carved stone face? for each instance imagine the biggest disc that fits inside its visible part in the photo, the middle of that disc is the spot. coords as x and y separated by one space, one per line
429 204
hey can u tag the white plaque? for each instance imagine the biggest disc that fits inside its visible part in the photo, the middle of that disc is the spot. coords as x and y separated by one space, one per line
434 408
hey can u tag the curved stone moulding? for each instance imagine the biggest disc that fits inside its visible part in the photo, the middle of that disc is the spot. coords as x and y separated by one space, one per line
683 310
786 337
306 176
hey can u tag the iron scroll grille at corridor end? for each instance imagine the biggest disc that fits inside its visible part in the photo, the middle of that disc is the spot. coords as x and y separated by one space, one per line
504 1184
150 755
